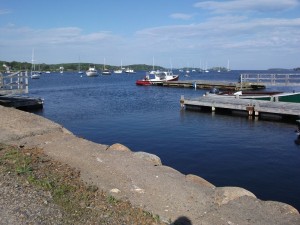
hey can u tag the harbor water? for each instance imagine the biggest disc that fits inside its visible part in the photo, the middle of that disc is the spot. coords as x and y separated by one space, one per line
261 156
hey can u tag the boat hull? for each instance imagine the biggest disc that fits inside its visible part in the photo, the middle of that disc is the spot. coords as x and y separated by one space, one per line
293 97
118 71
284 97
91 73
143 83
175 78
147 82
35 76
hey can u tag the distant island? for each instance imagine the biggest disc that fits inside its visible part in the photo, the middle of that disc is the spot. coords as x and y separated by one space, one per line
282 69
15 66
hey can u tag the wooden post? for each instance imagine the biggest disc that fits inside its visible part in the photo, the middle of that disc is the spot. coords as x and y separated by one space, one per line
182 101
250 110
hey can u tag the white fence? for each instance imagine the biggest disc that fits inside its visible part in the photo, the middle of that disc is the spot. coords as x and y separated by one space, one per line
272 79
14 83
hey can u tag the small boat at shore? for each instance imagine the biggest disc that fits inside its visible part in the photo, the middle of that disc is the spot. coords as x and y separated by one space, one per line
273 96
91 72
159 77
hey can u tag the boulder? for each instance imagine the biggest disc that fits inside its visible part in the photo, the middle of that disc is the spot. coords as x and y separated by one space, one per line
154 159
198 180
118 147
223 195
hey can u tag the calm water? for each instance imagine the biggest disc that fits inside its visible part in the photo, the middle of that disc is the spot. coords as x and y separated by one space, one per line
260 156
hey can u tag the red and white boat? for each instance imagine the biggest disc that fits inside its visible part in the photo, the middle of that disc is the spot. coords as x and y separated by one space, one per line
159 77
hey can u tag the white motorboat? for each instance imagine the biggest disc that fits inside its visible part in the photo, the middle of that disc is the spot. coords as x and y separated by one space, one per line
118 71
128 70
61 69
91 72
159 77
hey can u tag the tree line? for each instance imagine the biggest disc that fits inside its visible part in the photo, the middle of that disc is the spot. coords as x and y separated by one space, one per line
16 66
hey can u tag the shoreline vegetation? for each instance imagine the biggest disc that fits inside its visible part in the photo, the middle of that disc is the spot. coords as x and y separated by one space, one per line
71 67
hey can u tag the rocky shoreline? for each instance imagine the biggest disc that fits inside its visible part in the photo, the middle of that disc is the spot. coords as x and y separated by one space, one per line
141 178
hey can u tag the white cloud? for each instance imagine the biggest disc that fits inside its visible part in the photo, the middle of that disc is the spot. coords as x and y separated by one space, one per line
64 35
4 11
58 44
223 34
215 38
181 16
247 5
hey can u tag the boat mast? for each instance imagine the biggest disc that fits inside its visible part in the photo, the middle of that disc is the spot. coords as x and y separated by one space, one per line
32 62
228 69
153 63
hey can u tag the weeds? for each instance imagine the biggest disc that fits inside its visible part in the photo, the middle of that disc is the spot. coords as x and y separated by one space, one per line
80 204
112 200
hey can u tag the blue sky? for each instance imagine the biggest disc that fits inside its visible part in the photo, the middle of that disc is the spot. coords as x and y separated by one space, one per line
251 34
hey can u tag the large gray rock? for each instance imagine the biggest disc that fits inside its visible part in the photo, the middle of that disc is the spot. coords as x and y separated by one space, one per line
149 157
223 195
118 147
198 180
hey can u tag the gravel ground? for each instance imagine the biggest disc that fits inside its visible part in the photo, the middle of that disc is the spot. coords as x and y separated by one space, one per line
34 191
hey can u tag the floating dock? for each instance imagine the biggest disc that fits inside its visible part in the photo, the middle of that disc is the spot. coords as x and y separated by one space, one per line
14 83
13 90
221 85
22 102
249 107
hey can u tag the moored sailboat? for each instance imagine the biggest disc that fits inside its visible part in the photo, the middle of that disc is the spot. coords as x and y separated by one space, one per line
119 71
105 71
79 68
33 74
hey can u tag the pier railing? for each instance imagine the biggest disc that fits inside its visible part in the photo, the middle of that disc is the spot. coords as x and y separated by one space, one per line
272 79
14 83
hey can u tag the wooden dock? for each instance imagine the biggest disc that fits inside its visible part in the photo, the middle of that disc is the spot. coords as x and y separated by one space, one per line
249 107
221 85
